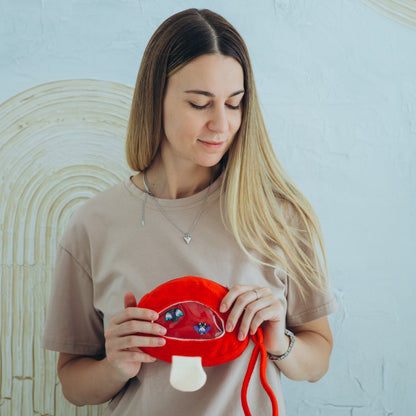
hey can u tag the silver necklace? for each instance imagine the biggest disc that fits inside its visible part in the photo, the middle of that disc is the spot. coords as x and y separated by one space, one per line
186 235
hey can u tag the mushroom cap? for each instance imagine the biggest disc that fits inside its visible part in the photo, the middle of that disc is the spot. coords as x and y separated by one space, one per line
214 348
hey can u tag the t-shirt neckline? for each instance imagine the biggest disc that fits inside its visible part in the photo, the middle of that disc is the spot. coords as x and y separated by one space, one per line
181 202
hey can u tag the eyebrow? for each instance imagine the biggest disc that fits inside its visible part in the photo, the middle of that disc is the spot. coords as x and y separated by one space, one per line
210 94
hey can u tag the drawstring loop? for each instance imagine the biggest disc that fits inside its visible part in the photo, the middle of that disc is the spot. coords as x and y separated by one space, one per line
259 348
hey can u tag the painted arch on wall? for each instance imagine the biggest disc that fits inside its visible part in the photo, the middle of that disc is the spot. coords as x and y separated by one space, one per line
403 11
60 144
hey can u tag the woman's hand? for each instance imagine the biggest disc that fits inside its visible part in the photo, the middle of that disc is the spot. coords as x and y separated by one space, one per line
122 342
257 306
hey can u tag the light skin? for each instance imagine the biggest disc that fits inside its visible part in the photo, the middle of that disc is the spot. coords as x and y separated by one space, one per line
202 114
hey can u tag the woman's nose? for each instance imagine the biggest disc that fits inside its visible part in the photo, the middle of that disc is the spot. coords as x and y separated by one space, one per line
218 121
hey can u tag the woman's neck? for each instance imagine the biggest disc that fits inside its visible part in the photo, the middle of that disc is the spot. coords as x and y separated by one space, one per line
173 182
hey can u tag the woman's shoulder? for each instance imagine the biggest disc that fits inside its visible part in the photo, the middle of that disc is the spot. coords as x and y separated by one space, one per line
98 210
105 200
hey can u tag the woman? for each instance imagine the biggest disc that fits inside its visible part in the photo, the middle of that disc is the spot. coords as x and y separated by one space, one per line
209 199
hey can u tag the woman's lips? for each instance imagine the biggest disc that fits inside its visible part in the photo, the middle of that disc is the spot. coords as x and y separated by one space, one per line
212 145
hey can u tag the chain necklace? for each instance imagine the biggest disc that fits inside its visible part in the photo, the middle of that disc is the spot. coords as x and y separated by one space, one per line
186 235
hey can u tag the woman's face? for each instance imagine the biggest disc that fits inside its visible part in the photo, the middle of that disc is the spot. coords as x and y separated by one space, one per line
202 111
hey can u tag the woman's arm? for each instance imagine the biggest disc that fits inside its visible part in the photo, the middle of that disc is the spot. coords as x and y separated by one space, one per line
309 358
86 380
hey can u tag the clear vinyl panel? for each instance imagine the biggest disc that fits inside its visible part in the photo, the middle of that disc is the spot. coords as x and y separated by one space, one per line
191 321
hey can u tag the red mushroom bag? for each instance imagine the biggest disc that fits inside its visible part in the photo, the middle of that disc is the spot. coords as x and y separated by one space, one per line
188 308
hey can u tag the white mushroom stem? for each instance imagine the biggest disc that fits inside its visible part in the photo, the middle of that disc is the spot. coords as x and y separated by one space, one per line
186 373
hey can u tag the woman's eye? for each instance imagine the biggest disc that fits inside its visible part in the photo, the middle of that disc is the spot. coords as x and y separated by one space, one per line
202 107
198 107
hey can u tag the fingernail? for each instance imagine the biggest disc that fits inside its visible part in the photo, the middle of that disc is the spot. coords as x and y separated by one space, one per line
223 307
161 341
162 331
154 316
241 336
229 327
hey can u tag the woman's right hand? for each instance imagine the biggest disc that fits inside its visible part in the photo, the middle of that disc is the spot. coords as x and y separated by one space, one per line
123 343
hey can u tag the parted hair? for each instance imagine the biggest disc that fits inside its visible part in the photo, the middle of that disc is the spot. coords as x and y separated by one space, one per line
269 217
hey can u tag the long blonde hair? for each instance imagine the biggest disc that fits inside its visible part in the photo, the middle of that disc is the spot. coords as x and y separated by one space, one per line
270 218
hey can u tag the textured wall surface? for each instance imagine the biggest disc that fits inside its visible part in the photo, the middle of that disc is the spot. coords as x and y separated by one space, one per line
337 83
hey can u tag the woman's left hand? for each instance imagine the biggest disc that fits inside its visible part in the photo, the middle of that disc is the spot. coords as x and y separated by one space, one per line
257 306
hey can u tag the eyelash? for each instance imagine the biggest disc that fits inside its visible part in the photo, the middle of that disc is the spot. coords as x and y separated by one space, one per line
202 107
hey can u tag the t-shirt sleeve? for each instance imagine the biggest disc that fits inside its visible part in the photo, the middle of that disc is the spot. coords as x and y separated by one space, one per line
73 325
314 305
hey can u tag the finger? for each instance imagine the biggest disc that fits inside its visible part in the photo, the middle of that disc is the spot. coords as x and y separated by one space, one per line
258 312
239 307
132 313
137 356
268 314
133 327
129 300
136 341
132 342
233 294
131 356
254 316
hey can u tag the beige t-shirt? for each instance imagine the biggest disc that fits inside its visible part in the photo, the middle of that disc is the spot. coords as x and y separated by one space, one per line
106 252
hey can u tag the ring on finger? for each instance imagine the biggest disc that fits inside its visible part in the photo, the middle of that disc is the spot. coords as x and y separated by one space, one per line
256 291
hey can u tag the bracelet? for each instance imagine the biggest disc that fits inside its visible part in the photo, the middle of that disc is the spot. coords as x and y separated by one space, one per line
275 358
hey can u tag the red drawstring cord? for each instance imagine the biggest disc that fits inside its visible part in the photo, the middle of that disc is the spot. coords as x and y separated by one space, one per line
258 348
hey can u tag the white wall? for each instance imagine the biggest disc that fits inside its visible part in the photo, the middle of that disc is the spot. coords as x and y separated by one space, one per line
336 80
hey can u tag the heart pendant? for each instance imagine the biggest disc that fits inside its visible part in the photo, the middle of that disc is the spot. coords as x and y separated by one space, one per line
187 238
